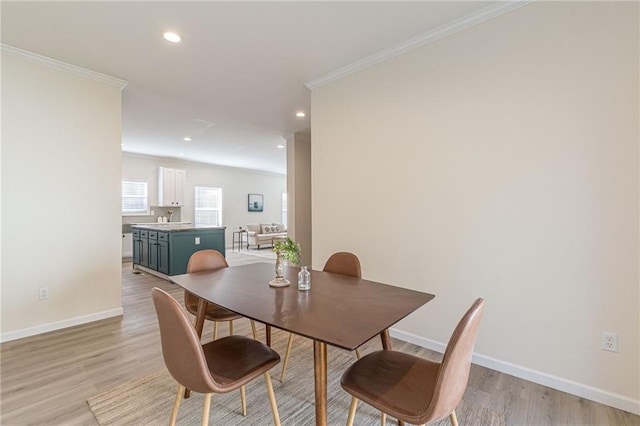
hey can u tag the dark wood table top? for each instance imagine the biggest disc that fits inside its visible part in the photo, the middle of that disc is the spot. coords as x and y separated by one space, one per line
338 310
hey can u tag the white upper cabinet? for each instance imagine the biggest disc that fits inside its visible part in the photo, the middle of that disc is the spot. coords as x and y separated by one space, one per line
171 187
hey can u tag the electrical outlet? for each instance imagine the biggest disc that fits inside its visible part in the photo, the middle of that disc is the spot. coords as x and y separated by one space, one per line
43 293
609 341
197 240
153 212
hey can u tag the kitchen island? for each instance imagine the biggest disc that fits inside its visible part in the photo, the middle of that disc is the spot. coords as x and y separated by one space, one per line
166 248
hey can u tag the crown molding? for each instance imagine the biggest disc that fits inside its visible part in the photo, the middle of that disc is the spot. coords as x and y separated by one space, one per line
442 31
62 66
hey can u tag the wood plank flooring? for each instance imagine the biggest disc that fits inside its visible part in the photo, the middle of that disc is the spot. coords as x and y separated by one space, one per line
46 379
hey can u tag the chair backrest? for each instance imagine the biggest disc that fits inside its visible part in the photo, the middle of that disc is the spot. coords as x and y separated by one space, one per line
181 349
206 260
343 263
453 374
203 260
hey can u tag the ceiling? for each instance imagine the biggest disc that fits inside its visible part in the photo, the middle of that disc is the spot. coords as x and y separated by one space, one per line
237 78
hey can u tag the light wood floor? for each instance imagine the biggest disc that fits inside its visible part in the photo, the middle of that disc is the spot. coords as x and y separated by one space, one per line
46 379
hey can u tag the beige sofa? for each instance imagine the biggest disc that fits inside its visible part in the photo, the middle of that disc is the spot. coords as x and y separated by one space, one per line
262 234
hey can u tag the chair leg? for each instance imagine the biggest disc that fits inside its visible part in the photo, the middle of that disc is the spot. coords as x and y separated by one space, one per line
206 409
352 411
453 418
358 353
176 405
272 399
243 398
253 329
383 418
230 328
286 356
215 330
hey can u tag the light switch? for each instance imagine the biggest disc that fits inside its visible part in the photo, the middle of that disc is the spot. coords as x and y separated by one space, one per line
197 240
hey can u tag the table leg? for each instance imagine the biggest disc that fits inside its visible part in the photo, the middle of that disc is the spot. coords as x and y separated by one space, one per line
386 340
202 310
320 378
267 332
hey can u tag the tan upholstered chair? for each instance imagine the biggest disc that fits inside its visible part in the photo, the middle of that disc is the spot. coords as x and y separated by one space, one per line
210 260
220 366
413 389
342 263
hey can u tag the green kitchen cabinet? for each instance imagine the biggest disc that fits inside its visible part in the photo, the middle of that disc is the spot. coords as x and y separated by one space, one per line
153 250
183 244
136 246
163 252
167 248
141 247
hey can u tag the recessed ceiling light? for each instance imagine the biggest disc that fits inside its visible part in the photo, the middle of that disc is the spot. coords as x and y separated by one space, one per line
186 139
172 37
280 146
300 114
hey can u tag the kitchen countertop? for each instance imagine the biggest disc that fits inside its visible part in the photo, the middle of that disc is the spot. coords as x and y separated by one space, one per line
174 227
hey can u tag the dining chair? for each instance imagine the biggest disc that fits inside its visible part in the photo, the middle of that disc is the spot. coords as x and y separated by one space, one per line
413 389
220 366
342 263
211 260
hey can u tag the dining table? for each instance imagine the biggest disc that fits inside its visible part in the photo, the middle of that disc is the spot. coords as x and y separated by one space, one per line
338 310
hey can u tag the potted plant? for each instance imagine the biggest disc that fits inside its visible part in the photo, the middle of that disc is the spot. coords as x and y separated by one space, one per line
290 250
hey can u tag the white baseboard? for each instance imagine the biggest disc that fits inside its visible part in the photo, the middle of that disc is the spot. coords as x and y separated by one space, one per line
584 391
44 328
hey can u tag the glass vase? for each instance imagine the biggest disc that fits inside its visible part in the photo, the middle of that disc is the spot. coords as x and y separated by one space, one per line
304 279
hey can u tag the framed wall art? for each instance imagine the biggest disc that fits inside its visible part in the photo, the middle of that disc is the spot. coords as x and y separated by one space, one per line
256 202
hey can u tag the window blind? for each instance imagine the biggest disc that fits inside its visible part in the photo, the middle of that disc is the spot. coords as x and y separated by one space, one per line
135 198
208 206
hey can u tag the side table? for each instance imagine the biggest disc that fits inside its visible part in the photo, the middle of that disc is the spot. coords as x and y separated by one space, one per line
240 237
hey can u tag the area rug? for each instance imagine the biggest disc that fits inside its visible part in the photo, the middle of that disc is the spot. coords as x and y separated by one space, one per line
149 400
265 253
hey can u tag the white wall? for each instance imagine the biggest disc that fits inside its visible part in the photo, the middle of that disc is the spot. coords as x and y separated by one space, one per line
299 195
500 162
236 185
61 169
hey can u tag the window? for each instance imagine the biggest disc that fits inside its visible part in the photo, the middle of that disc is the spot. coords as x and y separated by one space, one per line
208 206
135 199
284 209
